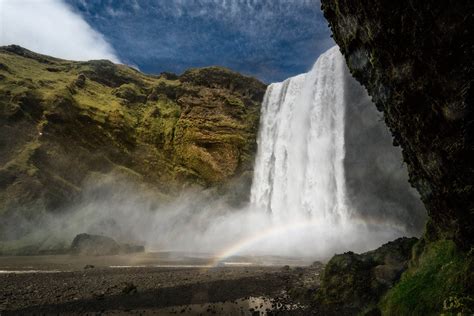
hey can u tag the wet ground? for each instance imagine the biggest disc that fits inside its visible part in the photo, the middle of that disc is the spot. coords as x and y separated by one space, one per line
159 284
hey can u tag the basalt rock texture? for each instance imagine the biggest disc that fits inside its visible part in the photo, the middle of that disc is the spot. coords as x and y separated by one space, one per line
415 59
353 282
63 122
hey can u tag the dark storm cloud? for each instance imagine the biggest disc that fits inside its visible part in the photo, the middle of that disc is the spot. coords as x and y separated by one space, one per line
271 39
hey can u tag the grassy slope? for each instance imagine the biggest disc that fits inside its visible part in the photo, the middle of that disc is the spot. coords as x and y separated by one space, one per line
440 278
64 122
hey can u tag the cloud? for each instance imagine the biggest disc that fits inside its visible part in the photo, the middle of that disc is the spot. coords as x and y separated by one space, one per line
51 27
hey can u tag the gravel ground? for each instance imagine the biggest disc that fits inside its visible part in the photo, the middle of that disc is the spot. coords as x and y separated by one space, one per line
237 290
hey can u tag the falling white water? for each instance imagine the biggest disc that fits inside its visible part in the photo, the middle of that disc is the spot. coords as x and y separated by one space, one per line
299 171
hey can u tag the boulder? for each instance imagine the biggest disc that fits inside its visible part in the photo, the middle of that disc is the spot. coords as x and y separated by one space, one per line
80 81
94 245
97 245
352 282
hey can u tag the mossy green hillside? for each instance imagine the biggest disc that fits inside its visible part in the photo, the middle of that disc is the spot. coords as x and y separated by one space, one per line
63 121
439 280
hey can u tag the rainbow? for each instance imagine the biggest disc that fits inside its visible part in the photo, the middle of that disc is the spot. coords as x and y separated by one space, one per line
356 225
244 243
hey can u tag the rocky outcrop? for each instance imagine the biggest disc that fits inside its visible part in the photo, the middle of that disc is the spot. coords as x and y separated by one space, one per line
94 245
97 245
352 283
414 58
64 122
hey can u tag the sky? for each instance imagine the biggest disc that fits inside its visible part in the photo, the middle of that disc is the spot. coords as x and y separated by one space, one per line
269 39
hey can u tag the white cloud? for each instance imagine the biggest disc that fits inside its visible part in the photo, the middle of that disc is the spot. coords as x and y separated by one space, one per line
51 27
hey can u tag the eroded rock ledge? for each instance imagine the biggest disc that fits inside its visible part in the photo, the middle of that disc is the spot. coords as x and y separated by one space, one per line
415 59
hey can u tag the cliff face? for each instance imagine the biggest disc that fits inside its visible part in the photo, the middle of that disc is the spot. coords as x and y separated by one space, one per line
414 58
62 122
377 185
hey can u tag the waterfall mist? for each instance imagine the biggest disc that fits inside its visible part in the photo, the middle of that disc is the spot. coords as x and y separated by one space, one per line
195 222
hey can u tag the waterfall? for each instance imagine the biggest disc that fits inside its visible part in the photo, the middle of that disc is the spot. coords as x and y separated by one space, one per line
299 170
326 180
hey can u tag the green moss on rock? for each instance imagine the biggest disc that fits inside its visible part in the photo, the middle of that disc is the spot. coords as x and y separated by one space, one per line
129 92
439 281
354 283
63 121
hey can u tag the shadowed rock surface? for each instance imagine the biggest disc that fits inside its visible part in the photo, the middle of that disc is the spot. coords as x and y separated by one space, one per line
415 59
377 185
353 282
